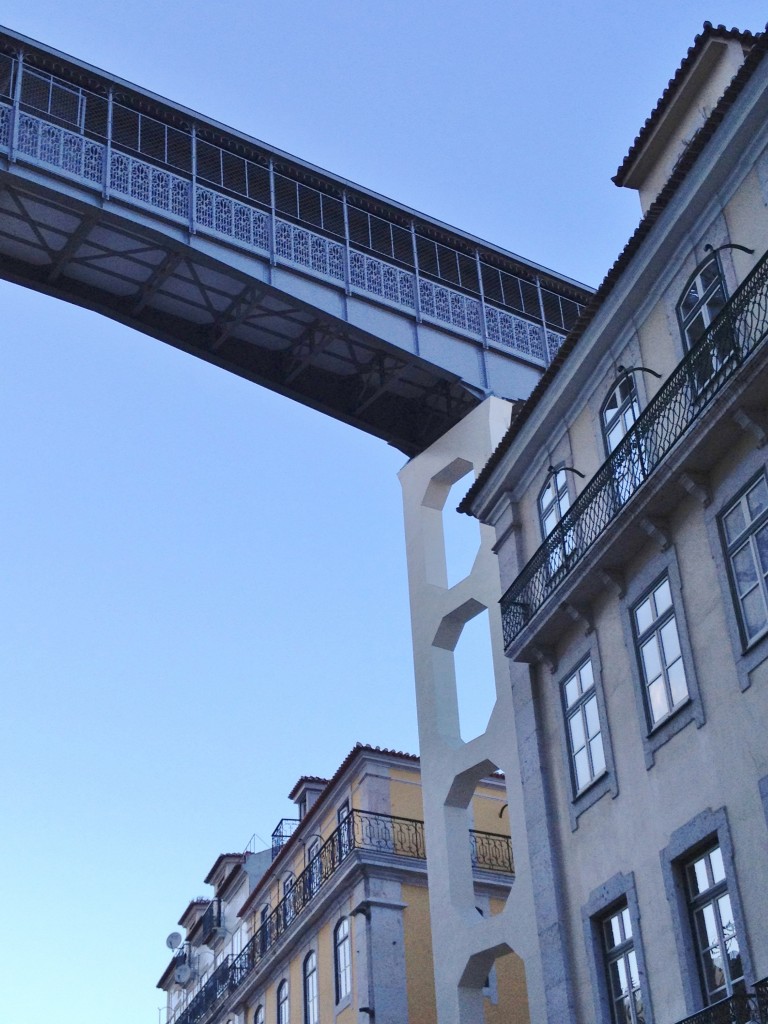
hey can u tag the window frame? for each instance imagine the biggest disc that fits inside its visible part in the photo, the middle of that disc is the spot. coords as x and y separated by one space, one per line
310 989
685 320
582 800
632 401
711 897
283 1003
641 639
577 710
732 548
342 970
619 890
702 831
258 1014
653 738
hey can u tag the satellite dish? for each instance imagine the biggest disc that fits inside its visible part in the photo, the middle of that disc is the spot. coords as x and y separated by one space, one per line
182 974
173 941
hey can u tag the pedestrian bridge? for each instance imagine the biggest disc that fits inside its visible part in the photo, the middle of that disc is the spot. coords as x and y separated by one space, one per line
133 206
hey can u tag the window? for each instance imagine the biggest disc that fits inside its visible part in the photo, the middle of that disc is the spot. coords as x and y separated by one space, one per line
289 899
621 965
258 1017
585 737
745 528
310 989
283 1010
345 829
658 649
553 501
342 959
620 410
703 298
717 947
313 875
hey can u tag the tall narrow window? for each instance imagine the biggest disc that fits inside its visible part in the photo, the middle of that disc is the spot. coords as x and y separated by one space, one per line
283 1009
345 829
258 1017
310 989
621 965
553 501
745 526
658 650
717 946
702 300
584 732
620 410
342 959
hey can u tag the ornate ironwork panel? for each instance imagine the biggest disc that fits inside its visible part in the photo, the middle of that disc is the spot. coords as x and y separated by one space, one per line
740 328
742 1008
491 852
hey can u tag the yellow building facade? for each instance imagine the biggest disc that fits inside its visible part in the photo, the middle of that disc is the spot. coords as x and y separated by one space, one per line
333 923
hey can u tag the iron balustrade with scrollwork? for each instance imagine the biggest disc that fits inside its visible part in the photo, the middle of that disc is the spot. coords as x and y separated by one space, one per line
740 1008
380 834
491 852
179 172
740 328
282 833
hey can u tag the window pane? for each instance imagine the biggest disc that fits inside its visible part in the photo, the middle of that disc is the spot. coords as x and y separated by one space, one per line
697 876
644 616
658 699
598 755
581 763
571 691
627 923
586 676
591 715
577 732
651 659
612 929
762 548
670 642
744 569
757 498
716 864
677 685
735 524
662 597
754 612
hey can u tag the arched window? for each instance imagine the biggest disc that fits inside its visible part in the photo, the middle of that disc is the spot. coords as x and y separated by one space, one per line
620 410
258 1017
702 299
342 959
310 989
553 501
283 1010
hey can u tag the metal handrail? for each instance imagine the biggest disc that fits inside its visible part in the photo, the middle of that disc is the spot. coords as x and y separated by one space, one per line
739 329
491 851
741 1008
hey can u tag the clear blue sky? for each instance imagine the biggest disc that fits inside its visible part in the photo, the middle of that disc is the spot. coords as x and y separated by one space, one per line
203 585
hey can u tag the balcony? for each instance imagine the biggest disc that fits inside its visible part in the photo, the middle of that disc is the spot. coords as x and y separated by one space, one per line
677 408
363 831
210 923
285 829
743 1008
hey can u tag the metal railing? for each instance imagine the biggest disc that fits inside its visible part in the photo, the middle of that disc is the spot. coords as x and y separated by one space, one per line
177 173
211 920
742 1008
282 833
739 329
491 852
360 830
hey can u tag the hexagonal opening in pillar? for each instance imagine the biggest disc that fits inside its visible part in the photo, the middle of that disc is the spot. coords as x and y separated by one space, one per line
475 682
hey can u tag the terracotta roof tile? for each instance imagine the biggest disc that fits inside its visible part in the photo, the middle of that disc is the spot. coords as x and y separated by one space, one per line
747 39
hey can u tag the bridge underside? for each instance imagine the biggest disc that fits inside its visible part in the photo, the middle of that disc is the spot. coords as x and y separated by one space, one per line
170 285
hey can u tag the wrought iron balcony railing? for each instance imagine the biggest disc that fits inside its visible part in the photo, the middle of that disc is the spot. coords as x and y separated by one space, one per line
737 332
491 852
360 830
285 829
210 921
742 1008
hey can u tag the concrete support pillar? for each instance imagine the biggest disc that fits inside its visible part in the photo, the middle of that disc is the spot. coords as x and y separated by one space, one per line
465 944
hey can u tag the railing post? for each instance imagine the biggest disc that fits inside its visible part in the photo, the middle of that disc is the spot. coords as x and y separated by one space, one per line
272 214
545 339
108 152
483 328
347 268
13 135
193 184
416 290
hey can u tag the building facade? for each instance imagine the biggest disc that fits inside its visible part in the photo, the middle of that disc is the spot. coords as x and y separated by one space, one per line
624 513
332 923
